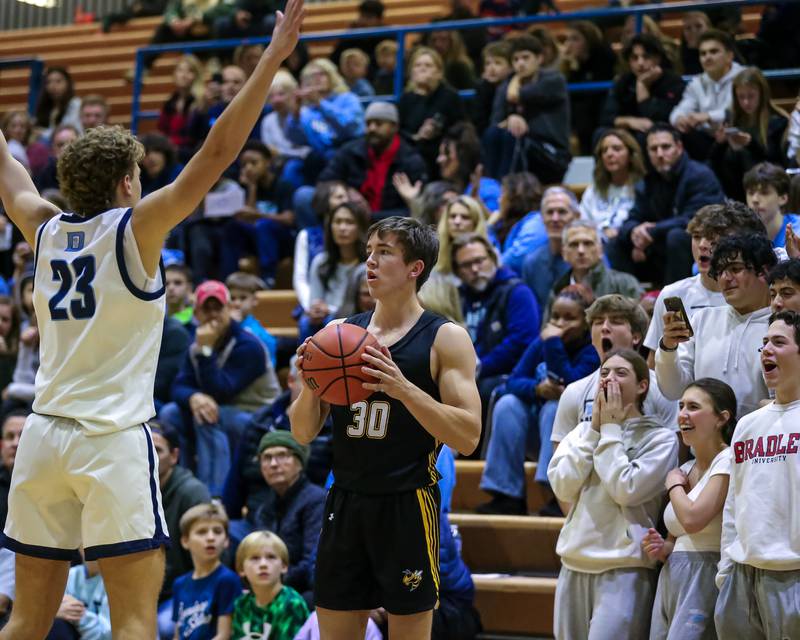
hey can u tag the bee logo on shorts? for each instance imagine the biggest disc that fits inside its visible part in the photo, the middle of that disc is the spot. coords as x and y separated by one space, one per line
412 579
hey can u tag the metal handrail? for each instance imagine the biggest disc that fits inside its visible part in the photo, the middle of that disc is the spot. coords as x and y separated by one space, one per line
400 32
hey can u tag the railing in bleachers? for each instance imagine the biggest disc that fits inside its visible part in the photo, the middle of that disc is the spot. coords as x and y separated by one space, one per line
35 82
400 33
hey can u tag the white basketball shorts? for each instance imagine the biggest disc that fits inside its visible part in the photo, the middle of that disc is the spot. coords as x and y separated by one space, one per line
69 489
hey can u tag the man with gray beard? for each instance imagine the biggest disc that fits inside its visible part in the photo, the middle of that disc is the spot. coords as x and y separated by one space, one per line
500 311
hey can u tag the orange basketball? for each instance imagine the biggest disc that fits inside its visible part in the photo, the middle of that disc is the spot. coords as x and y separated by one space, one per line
332 363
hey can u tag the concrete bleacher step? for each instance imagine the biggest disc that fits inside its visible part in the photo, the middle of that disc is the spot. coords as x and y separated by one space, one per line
467 493
515 604
513 544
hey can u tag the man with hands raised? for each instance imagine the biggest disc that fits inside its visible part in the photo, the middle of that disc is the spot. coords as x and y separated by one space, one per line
379 541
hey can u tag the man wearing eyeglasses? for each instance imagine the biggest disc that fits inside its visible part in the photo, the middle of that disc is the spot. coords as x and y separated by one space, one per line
500 310
727 338
293 508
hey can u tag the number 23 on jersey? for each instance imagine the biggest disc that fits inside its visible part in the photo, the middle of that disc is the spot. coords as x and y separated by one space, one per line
81 306
370 419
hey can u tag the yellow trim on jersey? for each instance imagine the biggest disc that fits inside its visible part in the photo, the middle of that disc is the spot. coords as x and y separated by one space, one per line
430 522
432 465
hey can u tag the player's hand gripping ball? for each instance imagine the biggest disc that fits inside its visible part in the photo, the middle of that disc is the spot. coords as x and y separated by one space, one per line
332 364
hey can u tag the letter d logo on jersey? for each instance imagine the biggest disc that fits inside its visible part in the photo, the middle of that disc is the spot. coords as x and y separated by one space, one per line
75 240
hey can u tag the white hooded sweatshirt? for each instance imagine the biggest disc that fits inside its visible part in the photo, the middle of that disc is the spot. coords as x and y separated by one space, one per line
761 518
704 95
614 480
725 346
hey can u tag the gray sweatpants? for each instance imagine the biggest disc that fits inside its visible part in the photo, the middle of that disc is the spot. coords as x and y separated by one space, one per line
755 604
613 605
685 598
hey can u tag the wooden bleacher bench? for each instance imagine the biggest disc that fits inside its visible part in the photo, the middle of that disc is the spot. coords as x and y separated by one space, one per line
514 544
467 493
515 604
274 311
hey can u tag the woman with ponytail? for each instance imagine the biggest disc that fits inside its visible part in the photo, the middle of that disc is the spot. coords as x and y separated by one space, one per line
686 594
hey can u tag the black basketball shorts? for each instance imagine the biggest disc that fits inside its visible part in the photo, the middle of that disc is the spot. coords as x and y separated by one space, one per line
379 551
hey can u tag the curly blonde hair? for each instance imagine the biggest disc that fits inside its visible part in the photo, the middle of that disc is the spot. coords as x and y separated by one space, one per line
91 167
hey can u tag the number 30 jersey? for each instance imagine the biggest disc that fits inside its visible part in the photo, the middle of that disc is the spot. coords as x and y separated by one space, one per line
100 322
378 446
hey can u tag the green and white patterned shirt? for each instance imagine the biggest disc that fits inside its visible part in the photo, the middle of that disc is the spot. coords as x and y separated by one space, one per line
281 619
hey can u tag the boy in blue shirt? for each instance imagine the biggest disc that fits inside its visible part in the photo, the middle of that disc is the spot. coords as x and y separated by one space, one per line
767 189
203 599
243 287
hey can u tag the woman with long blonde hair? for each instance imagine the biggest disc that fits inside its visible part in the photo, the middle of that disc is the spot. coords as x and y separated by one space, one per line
753 132
462 215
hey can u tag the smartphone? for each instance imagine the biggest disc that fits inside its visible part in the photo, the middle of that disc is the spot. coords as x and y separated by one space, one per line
675 305
555 377
732 131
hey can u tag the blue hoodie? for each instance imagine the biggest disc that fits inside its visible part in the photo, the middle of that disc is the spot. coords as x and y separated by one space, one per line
502 321
324 127
568 362
240 368
523 239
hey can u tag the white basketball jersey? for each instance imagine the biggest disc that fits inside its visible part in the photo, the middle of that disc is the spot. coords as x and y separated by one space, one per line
100 322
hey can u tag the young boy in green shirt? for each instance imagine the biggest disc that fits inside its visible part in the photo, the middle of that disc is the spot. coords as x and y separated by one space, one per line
269 610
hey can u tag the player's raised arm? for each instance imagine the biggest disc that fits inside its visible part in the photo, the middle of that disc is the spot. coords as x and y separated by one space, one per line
22 202
456 420
160 211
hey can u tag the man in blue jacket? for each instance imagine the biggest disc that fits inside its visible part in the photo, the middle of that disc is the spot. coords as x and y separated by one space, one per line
500 311
227 375
653 243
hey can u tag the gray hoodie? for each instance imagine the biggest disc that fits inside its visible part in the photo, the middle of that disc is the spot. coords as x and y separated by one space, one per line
703 95
614 480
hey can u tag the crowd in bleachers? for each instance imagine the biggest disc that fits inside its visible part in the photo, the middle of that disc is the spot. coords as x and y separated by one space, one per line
568 292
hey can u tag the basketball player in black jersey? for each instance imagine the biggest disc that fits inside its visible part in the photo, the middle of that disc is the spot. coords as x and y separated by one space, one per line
379 545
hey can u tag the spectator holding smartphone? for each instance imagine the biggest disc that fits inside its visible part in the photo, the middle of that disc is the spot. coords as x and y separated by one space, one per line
726 339
709 225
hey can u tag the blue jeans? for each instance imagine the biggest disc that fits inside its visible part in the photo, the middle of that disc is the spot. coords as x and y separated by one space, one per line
512 436
304 215
293 172
213 443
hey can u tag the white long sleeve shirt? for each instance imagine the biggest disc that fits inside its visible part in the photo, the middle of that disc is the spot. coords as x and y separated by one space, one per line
725 346
761 518
614 480
704 95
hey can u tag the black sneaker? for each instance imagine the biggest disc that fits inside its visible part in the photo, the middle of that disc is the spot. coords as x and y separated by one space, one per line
503 505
